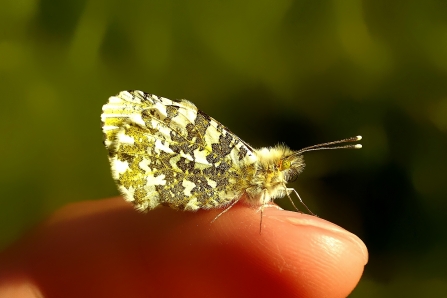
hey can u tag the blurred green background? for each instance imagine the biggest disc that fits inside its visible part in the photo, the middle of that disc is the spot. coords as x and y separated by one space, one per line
298 72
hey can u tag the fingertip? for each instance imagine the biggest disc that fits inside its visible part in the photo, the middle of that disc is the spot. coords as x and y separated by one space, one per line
295 220
331 257
166 252
312 256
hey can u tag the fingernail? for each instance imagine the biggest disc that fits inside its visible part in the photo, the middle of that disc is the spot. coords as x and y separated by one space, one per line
298 219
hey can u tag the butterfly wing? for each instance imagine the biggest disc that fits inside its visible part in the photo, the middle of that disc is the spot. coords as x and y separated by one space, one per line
168 152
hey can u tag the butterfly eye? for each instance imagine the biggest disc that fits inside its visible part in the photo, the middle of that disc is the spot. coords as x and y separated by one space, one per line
284 165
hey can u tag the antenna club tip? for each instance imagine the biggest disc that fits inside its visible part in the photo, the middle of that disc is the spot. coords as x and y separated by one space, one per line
359 138
358 146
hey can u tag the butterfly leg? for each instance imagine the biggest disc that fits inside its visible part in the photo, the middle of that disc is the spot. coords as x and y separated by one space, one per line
226 209
289 190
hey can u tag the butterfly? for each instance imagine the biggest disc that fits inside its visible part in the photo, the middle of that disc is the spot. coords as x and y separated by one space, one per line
167 152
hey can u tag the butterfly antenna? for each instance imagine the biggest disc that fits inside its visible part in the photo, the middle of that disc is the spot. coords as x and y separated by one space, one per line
328 145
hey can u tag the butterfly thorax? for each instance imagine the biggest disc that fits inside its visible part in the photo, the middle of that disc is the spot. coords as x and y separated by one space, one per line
274 168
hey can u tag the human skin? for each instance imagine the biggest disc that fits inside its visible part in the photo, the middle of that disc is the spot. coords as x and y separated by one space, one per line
105 248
